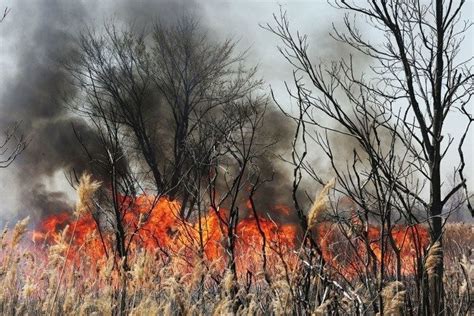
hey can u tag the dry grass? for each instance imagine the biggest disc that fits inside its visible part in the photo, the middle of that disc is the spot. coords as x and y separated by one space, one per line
433 259
320 204
85 193
43 281
393 296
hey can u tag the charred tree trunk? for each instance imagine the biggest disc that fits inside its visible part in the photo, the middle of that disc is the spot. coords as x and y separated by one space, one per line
436 206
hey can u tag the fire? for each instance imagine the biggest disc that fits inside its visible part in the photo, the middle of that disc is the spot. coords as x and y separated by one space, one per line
154 225
349 252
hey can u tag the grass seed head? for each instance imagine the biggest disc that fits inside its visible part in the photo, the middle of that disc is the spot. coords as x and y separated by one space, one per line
85 193
433 259
19 231
320 204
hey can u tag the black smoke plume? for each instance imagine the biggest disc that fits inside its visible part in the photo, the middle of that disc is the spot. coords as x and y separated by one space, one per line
42 34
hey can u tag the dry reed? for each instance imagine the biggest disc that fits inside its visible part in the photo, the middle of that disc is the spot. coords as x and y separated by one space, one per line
320 204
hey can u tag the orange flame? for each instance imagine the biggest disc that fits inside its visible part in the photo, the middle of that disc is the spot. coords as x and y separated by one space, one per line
154 225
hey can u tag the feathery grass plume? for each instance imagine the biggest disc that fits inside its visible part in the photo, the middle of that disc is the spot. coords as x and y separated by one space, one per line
320 204
19 231
85 192
393 295
57 252
433 259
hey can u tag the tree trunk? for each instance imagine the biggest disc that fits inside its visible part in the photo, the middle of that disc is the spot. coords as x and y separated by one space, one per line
436 205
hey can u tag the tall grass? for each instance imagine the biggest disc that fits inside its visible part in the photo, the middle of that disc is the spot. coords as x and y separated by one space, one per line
43 279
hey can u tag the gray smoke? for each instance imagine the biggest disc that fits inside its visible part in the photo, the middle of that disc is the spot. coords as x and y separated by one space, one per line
35 87
33 95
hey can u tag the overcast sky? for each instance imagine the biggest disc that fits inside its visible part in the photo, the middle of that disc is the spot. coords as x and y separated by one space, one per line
238 18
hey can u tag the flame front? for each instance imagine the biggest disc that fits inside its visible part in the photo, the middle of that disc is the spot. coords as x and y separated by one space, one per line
154 225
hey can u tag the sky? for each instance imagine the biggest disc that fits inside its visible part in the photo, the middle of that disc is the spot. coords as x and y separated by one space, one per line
31 23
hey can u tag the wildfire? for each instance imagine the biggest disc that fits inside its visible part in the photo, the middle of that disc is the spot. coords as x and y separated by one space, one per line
154 225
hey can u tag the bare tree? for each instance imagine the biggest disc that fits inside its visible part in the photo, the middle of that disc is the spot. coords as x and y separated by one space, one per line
174 107
12 144
396 112
162 87
112 70
115 207
235 174
198 78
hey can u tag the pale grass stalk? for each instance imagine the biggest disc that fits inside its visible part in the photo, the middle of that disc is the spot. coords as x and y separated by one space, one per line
433 258
85 193
64 266
19 231
320 204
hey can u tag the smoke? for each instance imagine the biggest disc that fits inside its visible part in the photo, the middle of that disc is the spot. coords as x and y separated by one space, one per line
41 34
276 129
35 87
33 95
